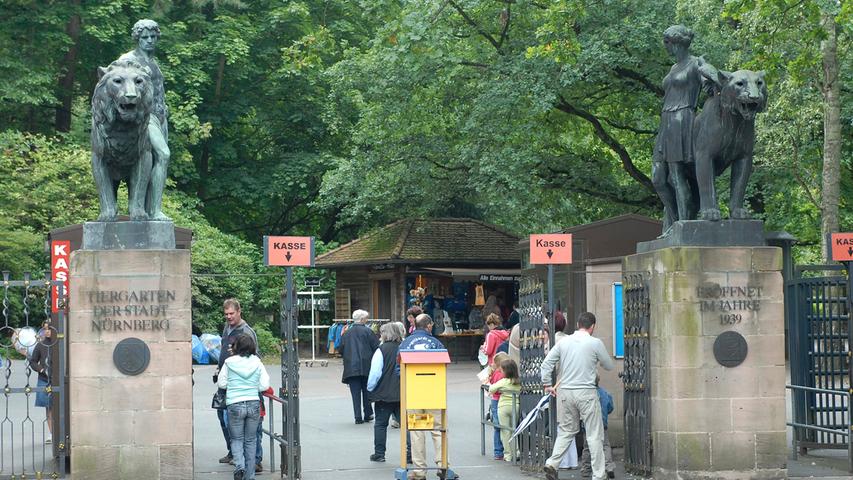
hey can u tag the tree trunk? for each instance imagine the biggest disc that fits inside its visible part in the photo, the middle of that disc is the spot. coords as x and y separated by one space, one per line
204 161
831 132
68 67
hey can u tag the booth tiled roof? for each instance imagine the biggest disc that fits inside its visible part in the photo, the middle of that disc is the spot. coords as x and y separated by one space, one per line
428 241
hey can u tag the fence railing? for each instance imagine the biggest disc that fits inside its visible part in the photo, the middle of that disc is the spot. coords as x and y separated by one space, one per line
484 391
843 430
274 437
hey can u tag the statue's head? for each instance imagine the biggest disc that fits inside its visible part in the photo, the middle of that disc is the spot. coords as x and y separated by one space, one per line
677 36
743 92
123 93
142 25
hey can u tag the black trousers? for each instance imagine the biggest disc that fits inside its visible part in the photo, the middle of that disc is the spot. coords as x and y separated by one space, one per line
358 390
384 410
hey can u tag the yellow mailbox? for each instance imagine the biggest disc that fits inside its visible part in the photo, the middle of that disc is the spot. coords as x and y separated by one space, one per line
423 388
426 383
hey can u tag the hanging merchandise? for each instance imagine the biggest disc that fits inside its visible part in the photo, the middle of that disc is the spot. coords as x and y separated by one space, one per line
479 296
420 282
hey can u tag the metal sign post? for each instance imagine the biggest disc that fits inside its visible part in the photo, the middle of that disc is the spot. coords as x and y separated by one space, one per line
291 449
551 249
289 252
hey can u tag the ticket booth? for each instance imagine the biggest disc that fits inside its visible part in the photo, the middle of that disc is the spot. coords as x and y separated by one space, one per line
423 397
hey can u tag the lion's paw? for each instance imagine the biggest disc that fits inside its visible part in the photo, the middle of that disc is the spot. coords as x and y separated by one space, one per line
711 214
108 216
138 215
740 214
159 217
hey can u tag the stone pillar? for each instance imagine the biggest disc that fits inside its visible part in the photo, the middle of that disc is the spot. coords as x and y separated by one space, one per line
126 425
709 420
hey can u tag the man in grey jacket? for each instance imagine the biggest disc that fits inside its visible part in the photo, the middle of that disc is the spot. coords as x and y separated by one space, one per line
577 357
234 327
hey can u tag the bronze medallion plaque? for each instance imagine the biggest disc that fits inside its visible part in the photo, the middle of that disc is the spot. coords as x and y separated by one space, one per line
730 349
131 356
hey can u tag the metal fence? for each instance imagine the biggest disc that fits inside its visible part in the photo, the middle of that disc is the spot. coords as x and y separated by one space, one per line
819 337
27 447
490 422
637 368
535 443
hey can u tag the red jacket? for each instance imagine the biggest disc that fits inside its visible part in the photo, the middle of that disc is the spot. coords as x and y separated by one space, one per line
494 339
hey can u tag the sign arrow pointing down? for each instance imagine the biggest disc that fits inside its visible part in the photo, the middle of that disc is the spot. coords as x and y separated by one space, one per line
287 256
550 253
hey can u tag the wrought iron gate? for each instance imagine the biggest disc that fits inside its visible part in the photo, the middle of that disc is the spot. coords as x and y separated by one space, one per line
535 443
638 422
291 450
820 334
26 447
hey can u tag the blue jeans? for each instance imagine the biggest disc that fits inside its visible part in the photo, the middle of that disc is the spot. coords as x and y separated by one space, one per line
499 446
223 424
259 452
243 419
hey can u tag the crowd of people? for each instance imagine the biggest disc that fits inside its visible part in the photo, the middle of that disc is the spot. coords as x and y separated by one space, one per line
372 373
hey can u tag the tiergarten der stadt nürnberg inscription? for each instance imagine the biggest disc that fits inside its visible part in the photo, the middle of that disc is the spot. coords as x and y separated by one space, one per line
130 310
729 301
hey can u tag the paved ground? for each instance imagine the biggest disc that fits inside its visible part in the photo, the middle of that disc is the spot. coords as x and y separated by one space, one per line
335 448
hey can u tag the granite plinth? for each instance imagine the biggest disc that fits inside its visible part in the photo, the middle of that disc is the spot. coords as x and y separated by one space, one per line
704 233
129 235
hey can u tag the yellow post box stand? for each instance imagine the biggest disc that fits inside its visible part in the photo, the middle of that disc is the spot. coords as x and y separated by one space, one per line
423 386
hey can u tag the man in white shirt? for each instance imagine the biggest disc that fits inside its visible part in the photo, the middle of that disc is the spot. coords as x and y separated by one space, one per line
577 357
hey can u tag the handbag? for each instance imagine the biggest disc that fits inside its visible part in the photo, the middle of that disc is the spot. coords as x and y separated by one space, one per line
218 401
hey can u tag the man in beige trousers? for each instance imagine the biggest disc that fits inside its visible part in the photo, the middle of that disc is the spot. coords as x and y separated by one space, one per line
577 358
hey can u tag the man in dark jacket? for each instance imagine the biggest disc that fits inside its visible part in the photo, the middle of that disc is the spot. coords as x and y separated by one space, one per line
357 346
234 327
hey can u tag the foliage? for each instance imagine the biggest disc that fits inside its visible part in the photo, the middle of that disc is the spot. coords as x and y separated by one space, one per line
332 118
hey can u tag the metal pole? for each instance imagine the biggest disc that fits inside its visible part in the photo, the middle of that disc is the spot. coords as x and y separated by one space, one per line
313 331
483 422
552 415
271 413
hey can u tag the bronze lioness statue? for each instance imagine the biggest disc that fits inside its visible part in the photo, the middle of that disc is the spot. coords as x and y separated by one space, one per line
121 148
724 135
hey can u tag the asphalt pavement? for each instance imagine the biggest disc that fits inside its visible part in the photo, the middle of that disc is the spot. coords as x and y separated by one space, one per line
333 447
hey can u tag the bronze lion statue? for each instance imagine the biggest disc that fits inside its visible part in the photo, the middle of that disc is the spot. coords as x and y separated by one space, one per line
724 135
121 149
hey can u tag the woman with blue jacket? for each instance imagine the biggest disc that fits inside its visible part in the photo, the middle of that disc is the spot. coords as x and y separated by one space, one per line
243 376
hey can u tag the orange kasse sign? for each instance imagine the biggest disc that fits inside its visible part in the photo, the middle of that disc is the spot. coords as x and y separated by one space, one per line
551 249
842 247
289 251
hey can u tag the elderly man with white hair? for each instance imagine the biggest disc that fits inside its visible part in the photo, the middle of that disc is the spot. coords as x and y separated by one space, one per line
357 346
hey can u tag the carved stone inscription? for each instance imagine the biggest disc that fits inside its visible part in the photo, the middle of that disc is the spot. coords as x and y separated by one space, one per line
730 301
130 310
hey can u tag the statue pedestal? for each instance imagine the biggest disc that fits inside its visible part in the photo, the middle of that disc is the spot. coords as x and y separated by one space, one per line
128 235
703 233
717 362
129 348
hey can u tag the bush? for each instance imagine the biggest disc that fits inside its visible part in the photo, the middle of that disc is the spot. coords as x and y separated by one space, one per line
268 344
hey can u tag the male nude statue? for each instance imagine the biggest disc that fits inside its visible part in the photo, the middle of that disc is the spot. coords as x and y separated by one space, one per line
146 33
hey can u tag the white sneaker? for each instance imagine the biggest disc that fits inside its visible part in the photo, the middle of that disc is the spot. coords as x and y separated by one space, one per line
48 440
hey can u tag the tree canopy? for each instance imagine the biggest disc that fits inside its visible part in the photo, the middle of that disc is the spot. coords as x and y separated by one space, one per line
334 117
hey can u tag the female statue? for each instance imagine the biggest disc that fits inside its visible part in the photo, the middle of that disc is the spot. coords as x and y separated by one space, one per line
673 154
